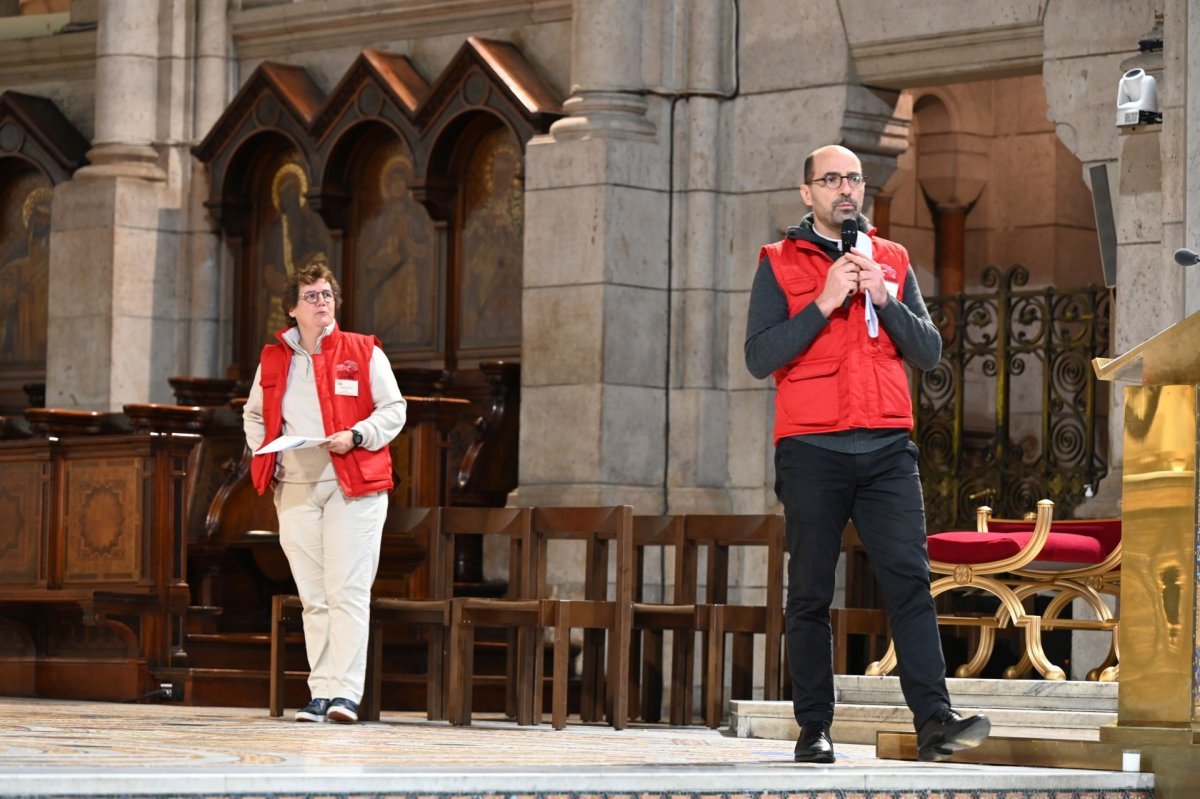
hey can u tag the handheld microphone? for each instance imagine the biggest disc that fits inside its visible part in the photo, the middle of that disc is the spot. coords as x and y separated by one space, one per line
1186 257
850 235
849 239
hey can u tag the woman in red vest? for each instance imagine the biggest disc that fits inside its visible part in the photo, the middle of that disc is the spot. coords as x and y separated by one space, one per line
328 400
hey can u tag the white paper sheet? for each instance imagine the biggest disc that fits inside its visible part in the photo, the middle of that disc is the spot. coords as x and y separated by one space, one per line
290 442
872 318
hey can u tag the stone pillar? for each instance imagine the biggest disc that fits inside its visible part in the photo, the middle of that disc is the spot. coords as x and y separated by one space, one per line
1190 43
209 316
126 91
606 73
593 369
881 214
1082 109
112 278
952 169
950 251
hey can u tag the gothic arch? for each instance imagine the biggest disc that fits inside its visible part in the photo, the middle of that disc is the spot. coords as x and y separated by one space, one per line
381 101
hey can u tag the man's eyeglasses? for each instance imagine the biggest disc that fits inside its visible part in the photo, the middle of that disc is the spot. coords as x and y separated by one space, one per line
832 180
313 297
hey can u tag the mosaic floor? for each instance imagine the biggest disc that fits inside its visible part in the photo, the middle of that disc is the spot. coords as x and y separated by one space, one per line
77 749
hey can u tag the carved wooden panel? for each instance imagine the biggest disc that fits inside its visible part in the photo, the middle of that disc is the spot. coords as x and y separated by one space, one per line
15 640
69 637
102 520
22 522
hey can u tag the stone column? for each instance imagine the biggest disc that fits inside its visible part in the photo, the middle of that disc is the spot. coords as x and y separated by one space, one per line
593 385
126 91
952 169
112 276
1188 42
1082 109
208 314
950 253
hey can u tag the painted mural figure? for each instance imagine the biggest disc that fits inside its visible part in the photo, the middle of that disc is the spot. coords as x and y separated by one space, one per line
397 292
25 284
492 243
291 234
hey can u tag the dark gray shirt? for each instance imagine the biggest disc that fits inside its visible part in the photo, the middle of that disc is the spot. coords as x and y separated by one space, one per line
773 338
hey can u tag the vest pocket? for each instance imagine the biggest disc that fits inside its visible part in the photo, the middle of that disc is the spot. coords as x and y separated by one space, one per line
895 401
801 285
809 394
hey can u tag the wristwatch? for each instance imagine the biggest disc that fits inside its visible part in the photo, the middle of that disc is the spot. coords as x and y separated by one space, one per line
357 436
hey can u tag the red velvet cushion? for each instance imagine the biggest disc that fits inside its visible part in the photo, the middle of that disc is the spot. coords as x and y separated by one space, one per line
964 547
1107 531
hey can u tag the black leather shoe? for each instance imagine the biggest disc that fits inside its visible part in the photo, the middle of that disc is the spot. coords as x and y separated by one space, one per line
813 745
947 732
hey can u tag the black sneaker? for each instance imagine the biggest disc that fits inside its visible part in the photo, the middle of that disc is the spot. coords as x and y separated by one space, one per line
813 745
947 732
342 711
313 711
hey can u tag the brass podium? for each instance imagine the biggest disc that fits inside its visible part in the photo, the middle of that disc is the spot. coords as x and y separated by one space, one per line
1158 699
1159 696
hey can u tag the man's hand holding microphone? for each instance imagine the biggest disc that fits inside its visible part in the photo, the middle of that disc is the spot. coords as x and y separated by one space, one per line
851 273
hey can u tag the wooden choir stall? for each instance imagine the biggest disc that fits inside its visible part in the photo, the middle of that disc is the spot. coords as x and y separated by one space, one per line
134 550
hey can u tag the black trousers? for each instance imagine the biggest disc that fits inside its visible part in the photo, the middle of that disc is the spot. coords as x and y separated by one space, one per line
881 492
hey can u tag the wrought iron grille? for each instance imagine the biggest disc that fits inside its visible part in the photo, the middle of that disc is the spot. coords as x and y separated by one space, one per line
1013 412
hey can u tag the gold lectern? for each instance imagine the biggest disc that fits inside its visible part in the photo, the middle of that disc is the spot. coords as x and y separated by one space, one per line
1159 696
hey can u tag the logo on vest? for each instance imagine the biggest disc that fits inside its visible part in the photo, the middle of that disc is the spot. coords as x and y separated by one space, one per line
347 370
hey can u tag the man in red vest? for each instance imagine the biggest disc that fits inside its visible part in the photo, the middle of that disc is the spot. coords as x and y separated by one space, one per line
320 385
835 327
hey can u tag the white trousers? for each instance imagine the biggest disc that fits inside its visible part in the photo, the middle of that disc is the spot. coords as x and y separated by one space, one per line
332 545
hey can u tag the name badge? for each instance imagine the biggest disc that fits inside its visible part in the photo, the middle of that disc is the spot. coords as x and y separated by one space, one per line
892 288
346 388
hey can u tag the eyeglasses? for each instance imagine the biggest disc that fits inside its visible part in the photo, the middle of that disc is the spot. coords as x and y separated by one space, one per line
313 297
832 180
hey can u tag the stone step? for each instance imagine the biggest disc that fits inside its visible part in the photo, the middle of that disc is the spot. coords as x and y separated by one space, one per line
1068 709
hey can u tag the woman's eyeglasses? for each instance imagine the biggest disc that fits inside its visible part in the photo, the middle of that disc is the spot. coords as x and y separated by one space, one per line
313 297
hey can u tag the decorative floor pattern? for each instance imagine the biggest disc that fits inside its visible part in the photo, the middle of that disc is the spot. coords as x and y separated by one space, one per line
78 749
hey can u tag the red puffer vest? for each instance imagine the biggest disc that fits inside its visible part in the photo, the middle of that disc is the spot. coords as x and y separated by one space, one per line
343 356
845 379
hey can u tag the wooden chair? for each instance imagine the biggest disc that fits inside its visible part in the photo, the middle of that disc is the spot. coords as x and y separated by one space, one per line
606 534
285 608
427 613
512 526
406 527
651 620
1013 560
717 535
